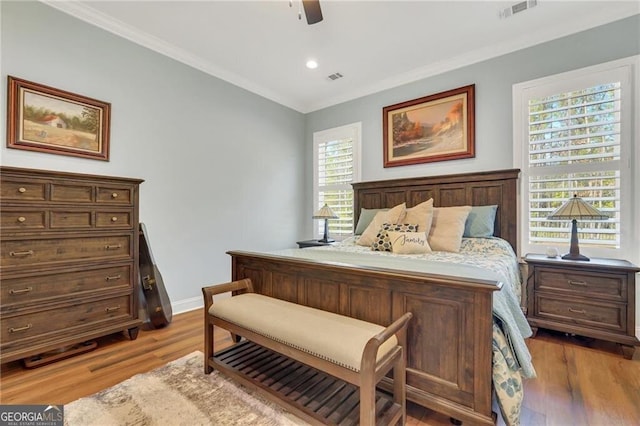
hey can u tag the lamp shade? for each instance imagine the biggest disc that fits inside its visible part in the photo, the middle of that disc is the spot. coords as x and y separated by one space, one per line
325 213
577 208
573 209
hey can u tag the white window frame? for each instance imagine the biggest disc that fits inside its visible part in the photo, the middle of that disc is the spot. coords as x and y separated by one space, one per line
629 68
354 131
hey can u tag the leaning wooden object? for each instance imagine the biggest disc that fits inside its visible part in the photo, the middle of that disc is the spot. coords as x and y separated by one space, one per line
321 366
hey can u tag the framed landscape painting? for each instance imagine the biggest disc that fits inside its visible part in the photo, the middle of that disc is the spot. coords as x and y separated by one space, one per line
44 119
432 128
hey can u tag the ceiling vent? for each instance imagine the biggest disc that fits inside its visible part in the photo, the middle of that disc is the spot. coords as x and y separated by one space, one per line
335 76
517 8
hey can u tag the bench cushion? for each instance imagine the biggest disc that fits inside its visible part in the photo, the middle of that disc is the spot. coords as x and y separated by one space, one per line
329 336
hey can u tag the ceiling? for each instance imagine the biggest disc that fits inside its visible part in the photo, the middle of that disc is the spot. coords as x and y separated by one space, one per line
263 47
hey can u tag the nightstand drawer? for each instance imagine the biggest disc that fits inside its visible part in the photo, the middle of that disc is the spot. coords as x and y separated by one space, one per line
591 284
601 315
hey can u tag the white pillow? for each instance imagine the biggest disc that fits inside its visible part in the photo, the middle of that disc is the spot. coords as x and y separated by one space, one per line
409 242
422 214
447 228
393 216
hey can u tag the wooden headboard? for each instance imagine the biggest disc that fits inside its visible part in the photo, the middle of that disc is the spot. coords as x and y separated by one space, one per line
466 189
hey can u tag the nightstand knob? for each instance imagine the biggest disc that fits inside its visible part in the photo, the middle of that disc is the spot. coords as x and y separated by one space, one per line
22 190
22 219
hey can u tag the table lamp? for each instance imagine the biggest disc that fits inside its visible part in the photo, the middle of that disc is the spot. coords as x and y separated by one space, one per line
325 213
573 209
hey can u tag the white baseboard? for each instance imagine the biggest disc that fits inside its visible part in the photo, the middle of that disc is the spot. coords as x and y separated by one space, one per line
186 305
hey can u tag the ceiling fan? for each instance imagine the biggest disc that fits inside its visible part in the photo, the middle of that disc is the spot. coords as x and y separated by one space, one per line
311 10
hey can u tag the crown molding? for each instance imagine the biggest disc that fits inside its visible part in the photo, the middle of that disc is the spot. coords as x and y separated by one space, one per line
107 23
119 28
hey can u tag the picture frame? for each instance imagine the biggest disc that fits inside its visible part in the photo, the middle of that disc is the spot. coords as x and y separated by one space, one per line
433 128
45 119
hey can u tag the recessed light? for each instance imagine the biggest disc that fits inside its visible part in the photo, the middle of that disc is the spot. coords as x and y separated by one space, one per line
311 64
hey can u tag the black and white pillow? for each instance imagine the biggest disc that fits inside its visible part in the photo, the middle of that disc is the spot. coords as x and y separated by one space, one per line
382 241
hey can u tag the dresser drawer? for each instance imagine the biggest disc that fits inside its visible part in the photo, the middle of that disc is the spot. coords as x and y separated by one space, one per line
115 195
595 315
116 219
19 190
71 193
82 315
28 220
33 289
60 219
587 284
65 249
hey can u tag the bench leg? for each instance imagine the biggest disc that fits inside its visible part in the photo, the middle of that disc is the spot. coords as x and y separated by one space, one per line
208 343
367 400
399 385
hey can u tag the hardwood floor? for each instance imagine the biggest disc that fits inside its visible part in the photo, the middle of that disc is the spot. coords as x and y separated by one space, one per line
580 381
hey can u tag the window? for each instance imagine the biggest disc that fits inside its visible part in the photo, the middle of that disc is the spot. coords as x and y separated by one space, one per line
572 135
336 164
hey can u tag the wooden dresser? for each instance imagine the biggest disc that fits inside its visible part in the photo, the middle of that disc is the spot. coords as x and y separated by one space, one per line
593 298
69 259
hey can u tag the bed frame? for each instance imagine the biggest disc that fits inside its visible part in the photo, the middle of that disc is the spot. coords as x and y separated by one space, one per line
450 335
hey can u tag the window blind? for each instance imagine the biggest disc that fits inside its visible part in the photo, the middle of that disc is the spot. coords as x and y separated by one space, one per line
574 148
335 173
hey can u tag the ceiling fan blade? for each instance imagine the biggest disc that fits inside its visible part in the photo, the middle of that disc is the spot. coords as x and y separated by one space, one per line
312 11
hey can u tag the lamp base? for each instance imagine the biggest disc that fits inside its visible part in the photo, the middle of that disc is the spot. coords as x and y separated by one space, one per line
326 240
570 256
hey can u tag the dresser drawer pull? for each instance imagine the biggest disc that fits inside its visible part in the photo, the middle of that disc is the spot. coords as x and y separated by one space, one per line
578 283
113 246
22 190
578 311
114 219
21 290
112 308
113 277
22 219
21 253
17 329
114 195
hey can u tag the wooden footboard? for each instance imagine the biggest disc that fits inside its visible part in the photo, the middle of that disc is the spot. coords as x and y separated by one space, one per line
448 339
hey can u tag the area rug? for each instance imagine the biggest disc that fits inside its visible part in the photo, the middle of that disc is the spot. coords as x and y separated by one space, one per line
178 393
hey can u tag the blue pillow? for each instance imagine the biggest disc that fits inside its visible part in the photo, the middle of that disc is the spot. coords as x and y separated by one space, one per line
480 221
366 216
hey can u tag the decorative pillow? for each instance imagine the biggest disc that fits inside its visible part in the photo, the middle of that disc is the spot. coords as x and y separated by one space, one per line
393 215
447 228
422 214
480 222
382 242
365 218
409 242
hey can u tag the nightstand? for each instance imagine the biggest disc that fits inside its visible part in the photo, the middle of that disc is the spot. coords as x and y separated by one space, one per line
312 243
593 298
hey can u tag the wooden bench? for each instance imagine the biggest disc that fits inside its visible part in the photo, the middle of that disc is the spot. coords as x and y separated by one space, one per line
321 366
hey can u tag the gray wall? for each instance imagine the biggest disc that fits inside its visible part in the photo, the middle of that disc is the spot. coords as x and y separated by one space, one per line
493 80
223 167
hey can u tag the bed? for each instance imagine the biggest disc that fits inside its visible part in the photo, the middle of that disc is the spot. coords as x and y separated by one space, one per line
466 339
